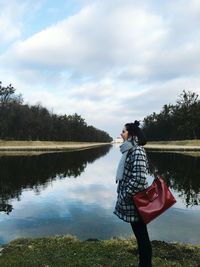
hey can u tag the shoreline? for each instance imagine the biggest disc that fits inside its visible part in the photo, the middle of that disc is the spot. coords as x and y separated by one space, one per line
50 146
179 145
62 250
56 146
168 148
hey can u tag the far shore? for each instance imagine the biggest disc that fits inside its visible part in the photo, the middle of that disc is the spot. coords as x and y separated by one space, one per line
30 148
180 145
171 148
52 146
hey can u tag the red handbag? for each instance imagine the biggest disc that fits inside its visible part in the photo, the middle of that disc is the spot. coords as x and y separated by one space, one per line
154 200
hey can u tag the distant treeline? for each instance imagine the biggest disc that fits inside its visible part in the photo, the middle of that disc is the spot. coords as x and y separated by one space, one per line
19 121
175 122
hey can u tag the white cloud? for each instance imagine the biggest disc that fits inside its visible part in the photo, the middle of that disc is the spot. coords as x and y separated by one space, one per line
10 27
112 62
96 39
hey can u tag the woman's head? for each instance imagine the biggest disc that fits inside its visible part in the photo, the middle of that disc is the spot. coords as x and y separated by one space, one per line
132 130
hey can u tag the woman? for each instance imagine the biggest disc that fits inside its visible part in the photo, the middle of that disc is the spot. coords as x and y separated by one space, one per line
131 178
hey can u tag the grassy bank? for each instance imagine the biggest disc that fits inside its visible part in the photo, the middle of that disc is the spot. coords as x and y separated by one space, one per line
46 145
195 142
69 251
180 146
42 143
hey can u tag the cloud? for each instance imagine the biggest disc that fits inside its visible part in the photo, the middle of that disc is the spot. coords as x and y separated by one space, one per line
13 19
125 41
112 62
98 38
10 27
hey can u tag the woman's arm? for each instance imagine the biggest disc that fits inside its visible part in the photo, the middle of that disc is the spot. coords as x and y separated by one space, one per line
137 180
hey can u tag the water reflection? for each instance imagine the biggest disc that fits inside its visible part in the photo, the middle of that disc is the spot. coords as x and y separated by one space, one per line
36 172
62 193
181 172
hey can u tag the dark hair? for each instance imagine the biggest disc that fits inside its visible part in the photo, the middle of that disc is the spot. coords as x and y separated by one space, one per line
134 130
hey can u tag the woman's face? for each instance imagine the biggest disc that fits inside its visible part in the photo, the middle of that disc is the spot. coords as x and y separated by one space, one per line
124 134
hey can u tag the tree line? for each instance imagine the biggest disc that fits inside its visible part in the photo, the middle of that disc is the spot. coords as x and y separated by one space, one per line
175 122
19 121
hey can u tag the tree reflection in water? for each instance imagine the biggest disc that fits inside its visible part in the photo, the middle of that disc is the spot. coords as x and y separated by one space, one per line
36 172
181 172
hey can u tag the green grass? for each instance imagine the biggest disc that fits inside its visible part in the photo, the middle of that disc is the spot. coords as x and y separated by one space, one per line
195 142
8 148
43 143
116 252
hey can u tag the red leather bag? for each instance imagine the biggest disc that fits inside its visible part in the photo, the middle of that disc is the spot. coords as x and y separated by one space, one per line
154 200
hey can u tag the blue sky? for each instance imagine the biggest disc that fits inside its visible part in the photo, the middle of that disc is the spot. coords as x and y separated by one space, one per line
110 61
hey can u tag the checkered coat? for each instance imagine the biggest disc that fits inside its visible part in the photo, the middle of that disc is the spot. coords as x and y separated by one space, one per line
134 180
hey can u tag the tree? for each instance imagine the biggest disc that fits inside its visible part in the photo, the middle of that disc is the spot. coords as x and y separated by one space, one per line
24 122
175 122
7 95
185 114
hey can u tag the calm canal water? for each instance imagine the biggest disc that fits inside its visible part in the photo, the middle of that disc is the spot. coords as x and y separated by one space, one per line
75 193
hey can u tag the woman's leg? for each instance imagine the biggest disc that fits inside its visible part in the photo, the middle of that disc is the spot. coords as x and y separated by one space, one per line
144 244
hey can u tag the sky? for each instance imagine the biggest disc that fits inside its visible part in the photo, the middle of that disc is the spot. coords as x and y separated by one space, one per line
110 61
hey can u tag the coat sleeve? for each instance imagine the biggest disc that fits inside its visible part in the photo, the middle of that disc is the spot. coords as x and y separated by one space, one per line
137 181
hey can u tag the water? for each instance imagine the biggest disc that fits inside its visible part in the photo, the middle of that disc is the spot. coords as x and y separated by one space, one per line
75 193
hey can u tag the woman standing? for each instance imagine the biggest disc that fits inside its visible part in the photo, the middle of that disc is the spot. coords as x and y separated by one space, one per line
131 178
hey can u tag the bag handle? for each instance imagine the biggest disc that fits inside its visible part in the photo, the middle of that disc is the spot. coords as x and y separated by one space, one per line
155 194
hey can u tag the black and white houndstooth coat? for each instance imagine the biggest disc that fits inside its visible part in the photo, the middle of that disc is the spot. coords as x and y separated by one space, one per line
134 180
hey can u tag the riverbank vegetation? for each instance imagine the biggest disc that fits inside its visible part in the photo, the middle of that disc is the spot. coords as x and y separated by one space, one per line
4 143
46 145
19 121
194 142
116 252
175 122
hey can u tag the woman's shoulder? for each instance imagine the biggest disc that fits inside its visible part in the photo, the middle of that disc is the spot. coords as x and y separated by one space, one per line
138 151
